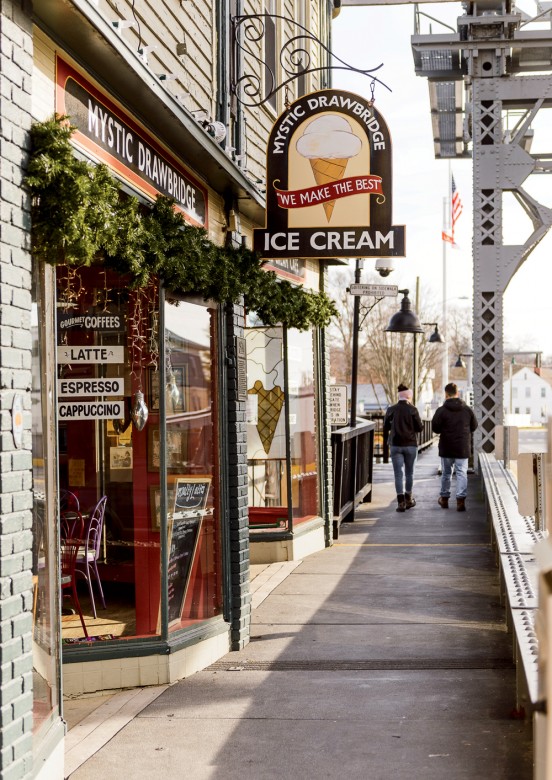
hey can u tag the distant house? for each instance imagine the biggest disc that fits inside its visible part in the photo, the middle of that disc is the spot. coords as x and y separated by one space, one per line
527 393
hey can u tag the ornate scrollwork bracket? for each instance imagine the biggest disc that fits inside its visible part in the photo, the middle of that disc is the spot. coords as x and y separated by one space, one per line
257 85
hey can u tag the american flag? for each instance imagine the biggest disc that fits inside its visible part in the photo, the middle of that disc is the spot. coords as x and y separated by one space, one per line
455 211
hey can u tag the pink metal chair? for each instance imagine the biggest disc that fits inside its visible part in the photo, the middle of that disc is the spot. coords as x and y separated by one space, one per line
69 553
87 560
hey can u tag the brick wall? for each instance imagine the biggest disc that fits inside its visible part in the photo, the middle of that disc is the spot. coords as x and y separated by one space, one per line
15 377
237 484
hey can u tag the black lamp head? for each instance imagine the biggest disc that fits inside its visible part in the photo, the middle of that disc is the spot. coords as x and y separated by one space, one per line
436 337
405 320
459 363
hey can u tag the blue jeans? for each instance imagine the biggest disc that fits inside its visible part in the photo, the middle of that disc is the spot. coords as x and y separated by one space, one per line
461 469
403 460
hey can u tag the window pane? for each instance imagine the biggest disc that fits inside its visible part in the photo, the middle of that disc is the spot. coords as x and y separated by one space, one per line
44 559
266 430
107 355
302 421
195 585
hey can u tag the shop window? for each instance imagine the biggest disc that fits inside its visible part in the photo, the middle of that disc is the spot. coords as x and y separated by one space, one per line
107 355
192 458
281 438
109 377
46 660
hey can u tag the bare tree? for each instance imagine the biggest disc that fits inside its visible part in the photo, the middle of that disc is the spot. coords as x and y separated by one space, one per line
384 358
340 332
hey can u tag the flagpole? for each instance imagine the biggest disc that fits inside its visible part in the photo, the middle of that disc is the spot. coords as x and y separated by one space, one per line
444 323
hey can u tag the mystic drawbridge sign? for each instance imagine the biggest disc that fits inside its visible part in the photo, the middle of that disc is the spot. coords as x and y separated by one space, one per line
329 181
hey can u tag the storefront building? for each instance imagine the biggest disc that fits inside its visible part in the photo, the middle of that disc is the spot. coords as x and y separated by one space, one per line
140 420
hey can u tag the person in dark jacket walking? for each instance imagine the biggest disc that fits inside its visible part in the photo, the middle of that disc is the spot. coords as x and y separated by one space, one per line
402 423
454 421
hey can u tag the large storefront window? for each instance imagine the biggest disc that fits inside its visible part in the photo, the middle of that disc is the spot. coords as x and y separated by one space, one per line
46 664
194 549
108 360
138 495
281 438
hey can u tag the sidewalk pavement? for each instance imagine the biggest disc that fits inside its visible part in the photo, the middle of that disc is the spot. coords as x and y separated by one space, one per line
381 658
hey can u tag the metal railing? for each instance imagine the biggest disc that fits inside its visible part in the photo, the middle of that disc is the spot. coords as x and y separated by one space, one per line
381 445
353 457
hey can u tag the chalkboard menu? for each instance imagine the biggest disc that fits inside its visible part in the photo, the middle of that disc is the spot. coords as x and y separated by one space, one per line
183 539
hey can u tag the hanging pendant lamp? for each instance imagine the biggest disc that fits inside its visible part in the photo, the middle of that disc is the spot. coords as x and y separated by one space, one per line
405 320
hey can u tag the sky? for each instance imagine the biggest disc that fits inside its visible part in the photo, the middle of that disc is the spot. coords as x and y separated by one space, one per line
367 36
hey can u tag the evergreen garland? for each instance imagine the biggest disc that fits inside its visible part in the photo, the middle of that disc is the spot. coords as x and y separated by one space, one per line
80 217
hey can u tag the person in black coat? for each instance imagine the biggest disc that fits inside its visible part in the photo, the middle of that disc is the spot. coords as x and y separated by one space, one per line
402 423
455 422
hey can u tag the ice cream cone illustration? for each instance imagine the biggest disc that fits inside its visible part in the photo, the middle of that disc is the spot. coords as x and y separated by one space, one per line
270 404
328 142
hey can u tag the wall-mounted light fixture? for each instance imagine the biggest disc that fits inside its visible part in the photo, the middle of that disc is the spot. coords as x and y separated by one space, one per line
216 130
181 48
122 24
144 51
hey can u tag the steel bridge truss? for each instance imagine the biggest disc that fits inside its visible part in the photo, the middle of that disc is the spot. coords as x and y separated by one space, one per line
497 59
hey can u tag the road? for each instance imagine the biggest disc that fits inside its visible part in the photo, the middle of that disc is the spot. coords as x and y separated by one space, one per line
532 440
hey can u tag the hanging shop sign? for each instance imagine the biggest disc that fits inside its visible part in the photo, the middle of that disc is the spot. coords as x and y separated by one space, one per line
90 354
329 181
91 410
84 387
111 136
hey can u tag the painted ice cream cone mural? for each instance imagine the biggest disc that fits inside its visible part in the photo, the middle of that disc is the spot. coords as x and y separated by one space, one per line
328 142
270 406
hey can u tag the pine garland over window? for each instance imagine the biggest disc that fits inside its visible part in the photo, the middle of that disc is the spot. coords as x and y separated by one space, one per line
80 217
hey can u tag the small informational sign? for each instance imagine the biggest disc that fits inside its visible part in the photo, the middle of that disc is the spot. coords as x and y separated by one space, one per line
76 471
90 354
190 495
338 405
84 387
377 290
92 410
241 366
106 322
17 420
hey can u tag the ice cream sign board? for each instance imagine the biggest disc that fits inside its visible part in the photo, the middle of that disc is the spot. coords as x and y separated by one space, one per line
329 181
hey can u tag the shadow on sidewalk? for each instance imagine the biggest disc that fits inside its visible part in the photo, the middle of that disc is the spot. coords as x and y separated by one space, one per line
384 657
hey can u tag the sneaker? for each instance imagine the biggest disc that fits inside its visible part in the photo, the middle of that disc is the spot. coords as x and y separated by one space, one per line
443 502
